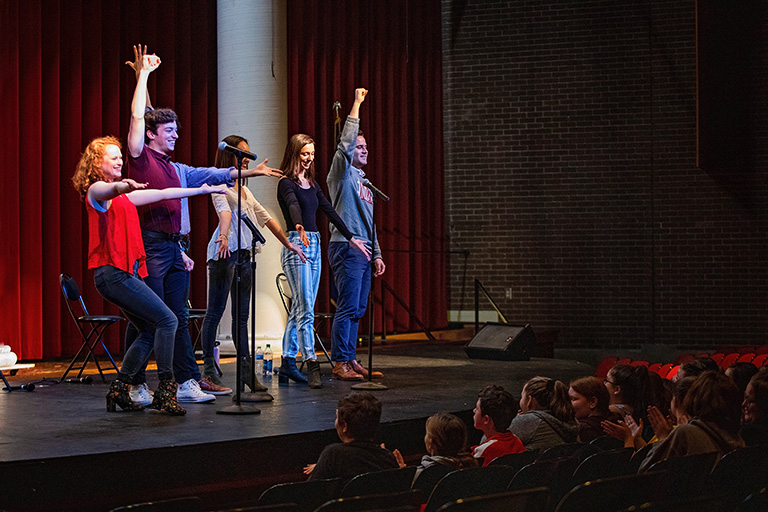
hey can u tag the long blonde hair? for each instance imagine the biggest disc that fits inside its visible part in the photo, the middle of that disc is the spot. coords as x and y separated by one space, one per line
88 169
551 395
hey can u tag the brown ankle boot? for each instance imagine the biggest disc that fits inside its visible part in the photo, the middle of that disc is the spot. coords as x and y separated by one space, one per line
362 370
343 371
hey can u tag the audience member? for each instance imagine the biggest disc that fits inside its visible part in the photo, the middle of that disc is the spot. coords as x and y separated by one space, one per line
546 417
494 411
696 367
357 420
712 404
591 406
741 373
754 408
632 390
446 443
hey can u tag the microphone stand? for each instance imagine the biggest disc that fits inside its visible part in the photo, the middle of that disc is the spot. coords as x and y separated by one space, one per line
237 407
253 396
370 385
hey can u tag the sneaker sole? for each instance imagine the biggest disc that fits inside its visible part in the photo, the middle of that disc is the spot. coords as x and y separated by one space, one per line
218 393
207 399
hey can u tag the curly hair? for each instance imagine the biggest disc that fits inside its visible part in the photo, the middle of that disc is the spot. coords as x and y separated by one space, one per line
290 164
88 169
361 412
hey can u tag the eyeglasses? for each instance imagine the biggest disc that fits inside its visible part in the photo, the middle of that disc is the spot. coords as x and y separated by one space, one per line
606 381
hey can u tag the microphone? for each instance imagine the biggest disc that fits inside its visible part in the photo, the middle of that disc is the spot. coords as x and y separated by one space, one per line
23 387
239 153
80 380
256 233
375 190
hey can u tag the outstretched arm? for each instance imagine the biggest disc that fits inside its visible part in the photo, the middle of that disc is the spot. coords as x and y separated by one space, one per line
135 65
136 130
101 191
148 196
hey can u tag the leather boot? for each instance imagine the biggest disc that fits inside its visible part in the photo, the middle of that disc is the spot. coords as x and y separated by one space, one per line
165 399
289 370
209 370
343 371
362 370
119 394
315 379
246 370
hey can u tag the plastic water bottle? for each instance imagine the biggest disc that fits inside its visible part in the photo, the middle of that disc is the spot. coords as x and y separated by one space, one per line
268 360
259 361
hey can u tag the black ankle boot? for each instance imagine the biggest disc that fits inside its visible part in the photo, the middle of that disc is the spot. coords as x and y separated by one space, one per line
119 394
288 369
315 379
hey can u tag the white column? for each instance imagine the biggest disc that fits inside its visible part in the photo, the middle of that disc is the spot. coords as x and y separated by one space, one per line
253 103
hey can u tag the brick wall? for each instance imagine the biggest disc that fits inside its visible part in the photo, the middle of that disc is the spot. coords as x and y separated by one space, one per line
572 179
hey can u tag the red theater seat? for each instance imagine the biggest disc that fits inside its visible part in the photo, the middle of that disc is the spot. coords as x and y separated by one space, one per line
728 360
601 372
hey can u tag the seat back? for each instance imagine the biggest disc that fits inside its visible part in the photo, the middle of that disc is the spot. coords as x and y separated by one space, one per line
603 465
617 493
468 482
429 476
284 289
380 482
516 460
552 473
527 500
687 475
560 450
638 458
185 504
409 500
71 293
731 478
607 443
308 495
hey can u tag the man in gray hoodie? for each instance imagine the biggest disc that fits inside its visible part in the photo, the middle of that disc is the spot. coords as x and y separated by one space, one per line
351 270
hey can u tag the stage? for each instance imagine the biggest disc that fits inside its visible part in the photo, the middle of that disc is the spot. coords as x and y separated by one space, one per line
62 451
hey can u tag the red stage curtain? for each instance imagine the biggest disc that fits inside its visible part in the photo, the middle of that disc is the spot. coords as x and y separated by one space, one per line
393 49
63 83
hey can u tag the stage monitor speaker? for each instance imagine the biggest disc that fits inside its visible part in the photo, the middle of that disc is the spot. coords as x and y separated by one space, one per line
502 342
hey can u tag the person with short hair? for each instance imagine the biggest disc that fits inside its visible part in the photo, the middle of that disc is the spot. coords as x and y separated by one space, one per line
493 414
357 421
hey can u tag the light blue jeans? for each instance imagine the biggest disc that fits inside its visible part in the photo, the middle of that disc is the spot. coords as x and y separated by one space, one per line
304 280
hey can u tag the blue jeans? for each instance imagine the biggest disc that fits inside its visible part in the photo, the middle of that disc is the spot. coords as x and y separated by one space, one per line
155 322
352 275
221 282
170 281
304 280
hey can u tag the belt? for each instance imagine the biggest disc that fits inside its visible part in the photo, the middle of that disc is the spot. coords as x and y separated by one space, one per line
162 235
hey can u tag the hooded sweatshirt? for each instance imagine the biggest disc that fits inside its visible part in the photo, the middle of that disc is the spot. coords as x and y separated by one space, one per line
539 430
696 436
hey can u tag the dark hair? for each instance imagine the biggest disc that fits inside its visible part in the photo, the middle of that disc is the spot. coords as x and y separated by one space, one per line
697 366
499 405
448 434
290 164
156 117
226 159
681 389
714 398
635 388
551 395
361 413
742 373
592 387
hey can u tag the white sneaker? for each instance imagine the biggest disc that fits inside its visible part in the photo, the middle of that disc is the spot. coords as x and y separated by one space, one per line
190 391
141 394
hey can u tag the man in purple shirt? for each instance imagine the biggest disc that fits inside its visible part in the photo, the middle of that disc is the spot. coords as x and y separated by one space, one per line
152 138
